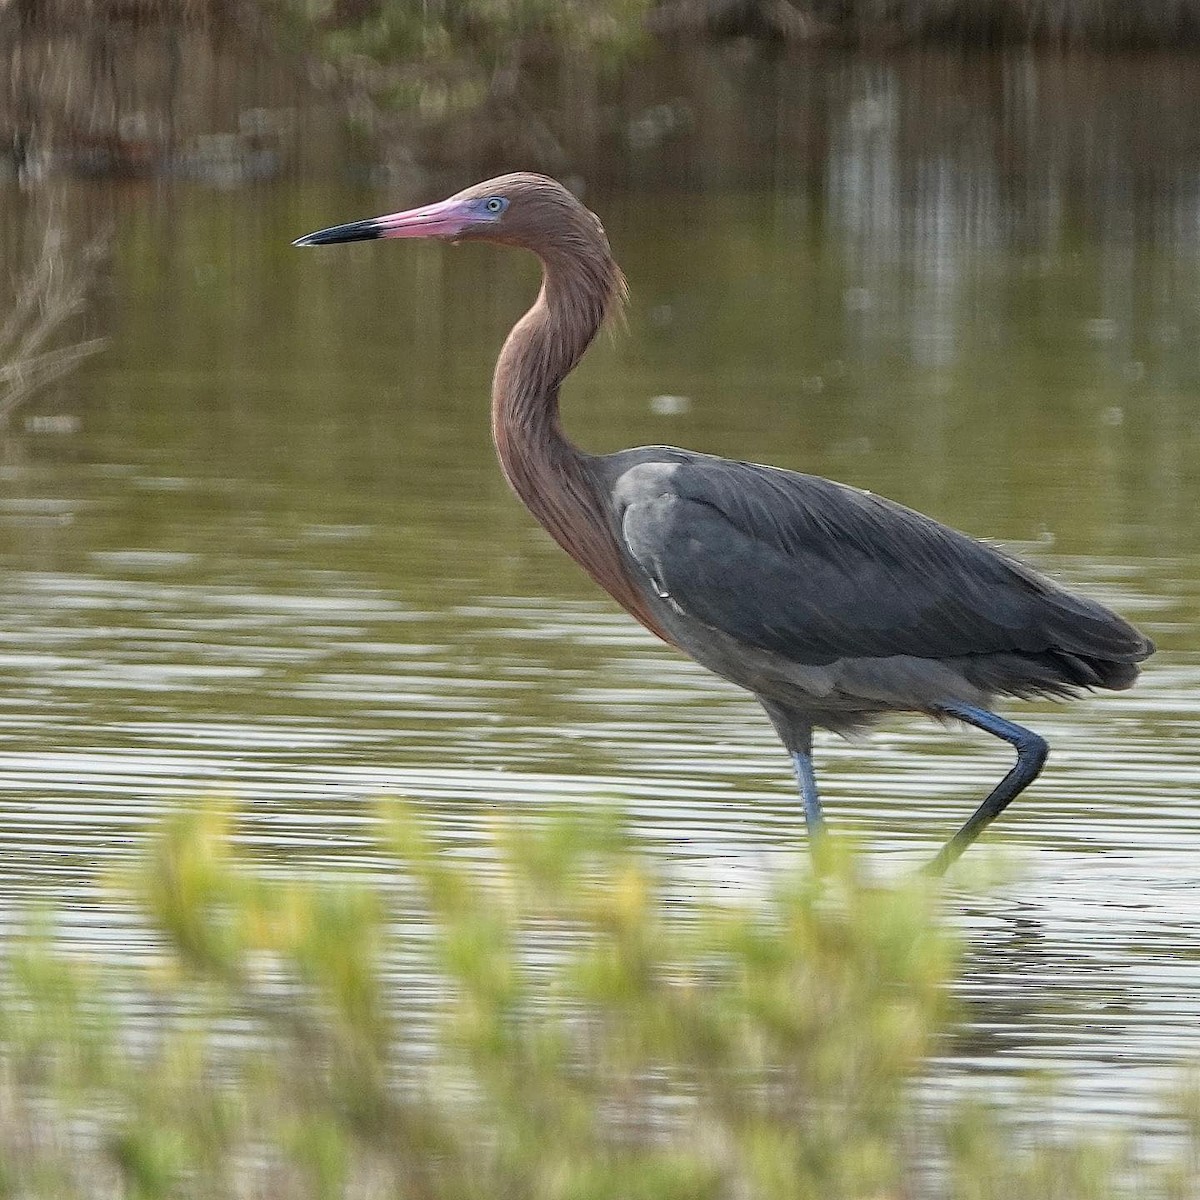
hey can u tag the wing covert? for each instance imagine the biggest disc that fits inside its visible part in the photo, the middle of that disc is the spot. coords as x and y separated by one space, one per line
818 571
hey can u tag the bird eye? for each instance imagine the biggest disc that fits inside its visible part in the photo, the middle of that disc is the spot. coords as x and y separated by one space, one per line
497 204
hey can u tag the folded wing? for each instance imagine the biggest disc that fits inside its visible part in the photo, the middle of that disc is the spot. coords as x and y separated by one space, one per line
817 571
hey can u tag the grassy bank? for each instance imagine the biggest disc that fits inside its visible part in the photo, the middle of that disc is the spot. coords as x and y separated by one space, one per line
670 1048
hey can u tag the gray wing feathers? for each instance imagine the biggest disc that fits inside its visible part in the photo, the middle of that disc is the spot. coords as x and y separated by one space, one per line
817 571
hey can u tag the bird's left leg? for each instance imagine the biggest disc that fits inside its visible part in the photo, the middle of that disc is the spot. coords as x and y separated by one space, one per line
1031 754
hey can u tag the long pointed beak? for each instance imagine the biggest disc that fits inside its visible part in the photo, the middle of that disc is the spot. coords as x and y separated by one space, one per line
445 219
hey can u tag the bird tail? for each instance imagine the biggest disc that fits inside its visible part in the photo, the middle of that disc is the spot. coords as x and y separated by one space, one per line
1056 673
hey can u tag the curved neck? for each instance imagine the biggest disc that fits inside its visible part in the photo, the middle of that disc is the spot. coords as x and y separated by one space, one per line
539 353
542 466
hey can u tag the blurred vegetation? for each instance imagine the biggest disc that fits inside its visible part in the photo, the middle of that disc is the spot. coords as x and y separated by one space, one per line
39 326
700 1048
496 35
226 90
966 23
45 299
509 76
478 72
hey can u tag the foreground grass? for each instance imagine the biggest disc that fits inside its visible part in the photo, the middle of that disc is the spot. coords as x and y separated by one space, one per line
662 1050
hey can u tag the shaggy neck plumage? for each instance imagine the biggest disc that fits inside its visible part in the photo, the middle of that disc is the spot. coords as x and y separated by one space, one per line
580 286
542 349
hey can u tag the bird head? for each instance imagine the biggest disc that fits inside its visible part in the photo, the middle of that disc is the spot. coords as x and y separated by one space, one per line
531 211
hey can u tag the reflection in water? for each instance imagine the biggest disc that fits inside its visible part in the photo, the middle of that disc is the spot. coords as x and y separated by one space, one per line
276 559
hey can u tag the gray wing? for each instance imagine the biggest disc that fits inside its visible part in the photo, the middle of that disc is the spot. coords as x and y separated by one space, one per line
816 571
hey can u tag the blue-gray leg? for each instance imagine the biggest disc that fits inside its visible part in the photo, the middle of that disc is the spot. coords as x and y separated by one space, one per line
802 762
1031 754
796 734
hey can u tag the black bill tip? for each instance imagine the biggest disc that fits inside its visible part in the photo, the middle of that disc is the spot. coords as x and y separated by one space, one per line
356 231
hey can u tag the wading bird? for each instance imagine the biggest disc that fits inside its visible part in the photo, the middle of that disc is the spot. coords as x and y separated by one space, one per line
831 605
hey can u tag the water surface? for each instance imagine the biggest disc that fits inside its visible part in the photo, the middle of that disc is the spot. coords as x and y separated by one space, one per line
269 555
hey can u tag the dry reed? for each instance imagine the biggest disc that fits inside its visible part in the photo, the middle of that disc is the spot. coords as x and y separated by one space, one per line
35 347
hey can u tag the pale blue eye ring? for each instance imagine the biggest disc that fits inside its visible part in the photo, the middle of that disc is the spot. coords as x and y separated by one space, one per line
496 205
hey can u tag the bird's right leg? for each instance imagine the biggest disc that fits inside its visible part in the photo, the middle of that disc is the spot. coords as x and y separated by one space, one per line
813 818
796 735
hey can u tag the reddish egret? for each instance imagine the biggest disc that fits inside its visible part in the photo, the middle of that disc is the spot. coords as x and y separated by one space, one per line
831 605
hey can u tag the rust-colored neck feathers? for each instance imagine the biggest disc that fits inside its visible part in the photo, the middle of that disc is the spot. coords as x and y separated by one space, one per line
581 285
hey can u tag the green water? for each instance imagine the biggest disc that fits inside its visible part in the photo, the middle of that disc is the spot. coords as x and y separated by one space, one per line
269 555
